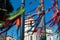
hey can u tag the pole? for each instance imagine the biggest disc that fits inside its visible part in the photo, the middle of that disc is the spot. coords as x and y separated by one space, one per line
44 27
22 24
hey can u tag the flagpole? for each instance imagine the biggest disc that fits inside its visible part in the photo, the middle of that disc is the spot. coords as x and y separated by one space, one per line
22 23
44 27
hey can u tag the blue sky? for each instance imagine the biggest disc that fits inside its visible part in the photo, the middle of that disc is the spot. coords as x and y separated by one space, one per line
17 3
13 32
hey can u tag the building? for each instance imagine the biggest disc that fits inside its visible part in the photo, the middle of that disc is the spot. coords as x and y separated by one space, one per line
10 38
29 35
2 37
49 34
